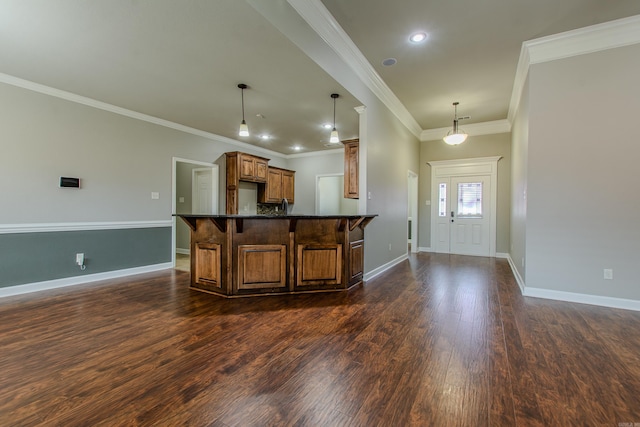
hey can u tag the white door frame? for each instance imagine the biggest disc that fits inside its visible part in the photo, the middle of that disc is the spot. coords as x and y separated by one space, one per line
412 194
466 167
173 197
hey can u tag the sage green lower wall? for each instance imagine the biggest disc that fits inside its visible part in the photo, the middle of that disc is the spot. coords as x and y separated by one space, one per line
37 257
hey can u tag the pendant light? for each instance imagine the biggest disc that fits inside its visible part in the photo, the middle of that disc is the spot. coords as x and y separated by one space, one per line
244 129
455 136
334 139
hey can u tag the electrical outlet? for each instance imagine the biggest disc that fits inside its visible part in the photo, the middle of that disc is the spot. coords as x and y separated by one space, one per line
80 259
389 246
608 274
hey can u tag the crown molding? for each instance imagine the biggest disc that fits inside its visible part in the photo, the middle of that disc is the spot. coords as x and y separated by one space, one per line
473 129
316 153
78 99
608 35
595 38
325 25
518 83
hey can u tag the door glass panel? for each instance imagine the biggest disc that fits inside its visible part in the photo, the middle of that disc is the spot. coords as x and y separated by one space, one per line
442 199
470 199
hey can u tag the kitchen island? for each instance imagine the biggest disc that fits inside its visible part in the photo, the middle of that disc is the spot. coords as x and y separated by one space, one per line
239 255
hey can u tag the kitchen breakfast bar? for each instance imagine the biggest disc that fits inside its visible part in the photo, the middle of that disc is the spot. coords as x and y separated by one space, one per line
239 255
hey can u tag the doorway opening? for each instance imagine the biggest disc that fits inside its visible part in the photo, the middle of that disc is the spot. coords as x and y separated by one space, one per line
194 191
330 198
463 219
412 211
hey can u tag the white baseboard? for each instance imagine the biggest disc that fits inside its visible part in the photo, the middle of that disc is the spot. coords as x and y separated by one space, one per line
626 304
183 251
377 271
77 280
498 254
516 274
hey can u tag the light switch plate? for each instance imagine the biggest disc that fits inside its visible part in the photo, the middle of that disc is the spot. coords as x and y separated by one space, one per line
155 195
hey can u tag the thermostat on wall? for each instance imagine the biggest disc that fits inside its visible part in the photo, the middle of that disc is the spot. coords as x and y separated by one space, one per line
69 182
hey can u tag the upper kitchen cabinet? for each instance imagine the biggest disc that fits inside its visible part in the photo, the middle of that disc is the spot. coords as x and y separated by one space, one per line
273 184
280 185
251 168
243 167
351 173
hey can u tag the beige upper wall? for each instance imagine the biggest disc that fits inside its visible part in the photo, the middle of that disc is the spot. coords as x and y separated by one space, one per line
582 204
307 169
389 148
474 146
519 160
390 153
119 160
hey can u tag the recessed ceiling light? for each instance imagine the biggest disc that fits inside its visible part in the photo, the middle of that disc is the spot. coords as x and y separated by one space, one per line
418 37
297 147
265 136
327 125
389 62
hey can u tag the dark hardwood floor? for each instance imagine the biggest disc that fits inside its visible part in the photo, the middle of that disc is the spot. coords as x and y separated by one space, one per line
437 341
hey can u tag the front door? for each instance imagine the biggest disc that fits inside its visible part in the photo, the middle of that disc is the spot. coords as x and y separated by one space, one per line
464 215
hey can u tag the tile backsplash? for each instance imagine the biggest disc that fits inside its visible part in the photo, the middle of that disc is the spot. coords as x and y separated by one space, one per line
269 209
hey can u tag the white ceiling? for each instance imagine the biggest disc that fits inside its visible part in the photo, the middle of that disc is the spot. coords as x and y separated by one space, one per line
181 61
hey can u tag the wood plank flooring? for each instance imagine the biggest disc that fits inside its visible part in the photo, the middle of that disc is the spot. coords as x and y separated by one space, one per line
437 341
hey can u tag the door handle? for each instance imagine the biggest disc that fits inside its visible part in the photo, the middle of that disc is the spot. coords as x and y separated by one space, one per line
451 216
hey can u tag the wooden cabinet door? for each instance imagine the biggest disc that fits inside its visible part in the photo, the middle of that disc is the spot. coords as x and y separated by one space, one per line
319 265
260 169
356 262
288 185
247 167
274 186
262 266
253 168
351 153
207 264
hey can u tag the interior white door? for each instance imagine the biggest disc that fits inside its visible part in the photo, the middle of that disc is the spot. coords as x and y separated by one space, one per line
204 188
470 215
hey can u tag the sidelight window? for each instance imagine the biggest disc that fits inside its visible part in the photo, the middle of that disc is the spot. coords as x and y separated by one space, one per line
442 199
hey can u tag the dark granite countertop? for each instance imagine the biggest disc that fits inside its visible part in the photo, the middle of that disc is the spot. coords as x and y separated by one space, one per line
275 216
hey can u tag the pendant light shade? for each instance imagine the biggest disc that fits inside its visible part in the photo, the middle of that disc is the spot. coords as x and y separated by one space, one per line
334 138
244 129
455 136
